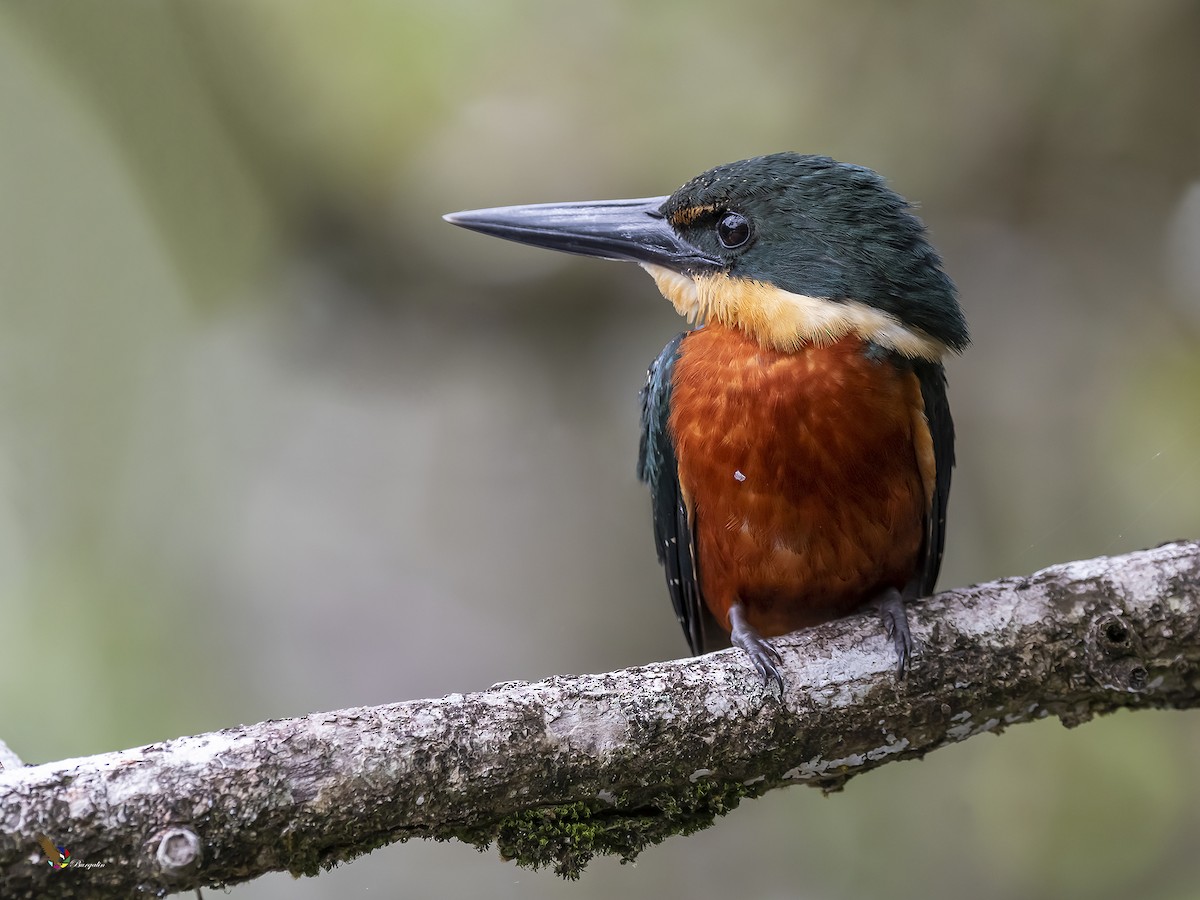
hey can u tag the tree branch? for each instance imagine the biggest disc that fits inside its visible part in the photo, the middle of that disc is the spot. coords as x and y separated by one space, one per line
557 771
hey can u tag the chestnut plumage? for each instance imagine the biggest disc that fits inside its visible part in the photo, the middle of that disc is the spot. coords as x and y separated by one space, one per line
797 442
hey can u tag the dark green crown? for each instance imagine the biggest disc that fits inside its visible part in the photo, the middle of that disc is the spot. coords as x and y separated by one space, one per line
821 228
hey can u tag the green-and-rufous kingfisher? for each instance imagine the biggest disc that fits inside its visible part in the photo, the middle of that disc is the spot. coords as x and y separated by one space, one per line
797 441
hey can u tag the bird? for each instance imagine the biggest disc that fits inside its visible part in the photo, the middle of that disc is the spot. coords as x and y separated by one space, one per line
797 439
56 856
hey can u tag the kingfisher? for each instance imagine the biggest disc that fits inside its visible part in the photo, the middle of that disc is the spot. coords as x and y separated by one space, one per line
797 440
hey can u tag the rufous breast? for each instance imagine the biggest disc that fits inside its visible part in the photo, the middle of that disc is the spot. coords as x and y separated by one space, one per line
807 474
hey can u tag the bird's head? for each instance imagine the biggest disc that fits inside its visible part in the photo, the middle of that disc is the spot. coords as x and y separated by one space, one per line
792 249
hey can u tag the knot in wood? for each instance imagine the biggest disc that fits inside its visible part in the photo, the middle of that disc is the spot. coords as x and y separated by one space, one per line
178 851
1115 658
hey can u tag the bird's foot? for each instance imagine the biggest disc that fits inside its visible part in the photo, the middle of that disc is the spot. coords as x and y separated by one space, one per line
764 656
895 623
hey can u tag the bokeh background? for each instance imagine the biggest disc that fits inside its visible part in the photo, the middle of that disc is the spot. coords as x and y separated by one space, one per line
275 439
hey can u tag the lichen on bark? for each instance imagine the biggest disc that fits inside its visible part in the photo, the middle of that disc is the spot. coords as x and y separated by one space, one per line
557 772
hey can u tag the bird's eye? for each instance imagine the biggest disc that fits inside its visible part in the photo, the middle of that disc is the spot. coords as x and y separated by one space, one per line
733 230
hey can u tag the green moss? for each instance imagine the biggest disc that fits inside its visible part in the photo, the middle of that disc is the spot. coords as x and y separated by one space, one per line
567 837
563 837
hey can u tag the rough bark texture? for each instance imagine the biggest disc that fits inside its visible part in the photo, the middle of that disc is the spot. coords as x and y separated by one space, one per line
560 770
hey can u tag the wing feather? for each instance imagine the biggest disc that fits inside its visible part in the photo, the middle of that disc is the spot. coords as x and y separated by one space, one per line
658 467
941 429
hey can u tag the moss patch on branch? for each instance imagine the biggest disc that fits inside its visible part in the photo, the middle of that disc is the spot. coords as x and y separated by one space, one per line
566 837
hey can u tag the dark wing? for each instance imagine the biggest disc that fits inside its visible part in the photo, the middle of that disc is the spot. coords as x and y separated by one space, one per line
941 428
658 468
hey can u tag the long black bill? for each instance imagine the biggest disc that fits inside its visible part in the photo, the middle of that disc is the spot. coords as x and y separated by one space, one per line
631 230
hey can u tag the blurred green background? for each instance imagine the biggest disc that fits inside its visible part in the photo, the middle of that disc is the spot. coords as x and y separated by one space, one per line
273 436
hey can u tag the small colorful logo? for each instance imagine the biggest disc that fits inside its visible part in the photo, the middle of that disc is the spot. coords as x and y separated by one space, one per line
57 856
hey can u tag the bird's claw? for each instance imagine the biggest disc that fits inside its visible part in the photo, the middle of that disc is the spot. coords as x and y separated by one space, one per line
766 658
895 624
762 652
